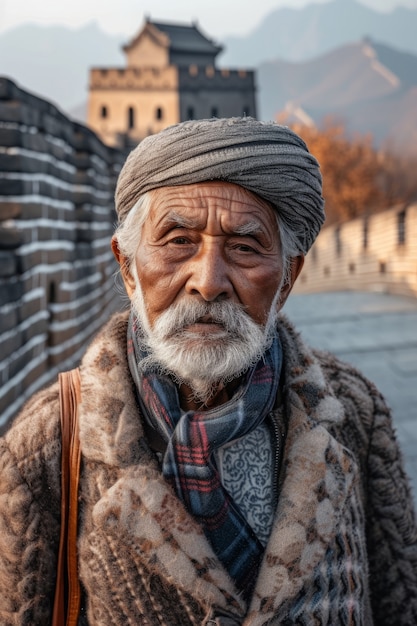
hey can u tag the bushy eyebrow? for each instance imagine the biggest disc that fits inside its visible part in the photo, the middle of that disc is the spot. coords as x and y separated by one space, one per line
250 228
175 219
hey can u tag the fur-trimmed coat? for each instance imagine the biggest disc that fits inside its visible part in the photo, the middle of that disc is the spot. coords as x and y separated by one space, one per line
342 548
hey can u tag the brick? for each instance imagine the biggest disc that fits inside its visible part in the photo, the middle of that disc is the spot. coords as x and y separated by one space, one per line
48 233
8 264
8 320
40 257
38 327
5 402
14 111
30 307
27 164
10 187
17 363
37 372
84 251
10 238
11 343
36 142
7 88
56 360
10 137
58 337
10 292
10 210
33 210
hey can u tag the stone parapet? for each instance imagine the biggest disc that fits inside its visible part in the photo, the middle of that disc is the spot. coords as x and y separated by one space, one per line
57 216
371 253
209 77
134 78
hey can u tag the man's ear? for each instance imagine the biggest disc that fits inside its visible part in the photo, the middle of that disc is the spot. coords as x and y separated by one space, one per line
296 265
128 280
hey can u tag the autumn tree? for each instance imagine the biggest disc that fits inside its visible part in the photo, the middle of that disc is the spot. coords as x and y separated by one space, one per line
357 179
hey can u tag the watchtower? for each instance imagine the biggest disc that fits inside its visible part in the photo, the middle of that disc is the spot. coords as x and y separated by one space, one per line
170 76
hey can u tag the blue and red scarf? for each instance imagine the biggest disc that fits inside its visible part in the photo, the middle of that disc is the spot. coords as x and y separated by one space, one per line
192 437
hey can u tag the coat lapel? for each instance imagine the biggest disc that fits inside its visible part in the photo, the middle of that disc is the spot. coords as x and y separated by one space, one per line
318 475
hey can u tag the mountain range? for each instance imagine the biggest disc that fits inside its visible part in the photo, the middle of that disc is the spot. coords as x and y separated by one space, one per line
301 34
368 86
339 58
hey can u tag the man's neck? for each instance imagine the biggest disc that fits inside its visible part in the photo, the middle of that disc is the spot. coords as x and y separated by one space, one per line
221 395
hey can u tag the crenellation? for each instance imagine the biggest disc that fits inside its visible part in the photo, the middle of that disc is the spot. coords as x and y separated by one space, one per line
133 78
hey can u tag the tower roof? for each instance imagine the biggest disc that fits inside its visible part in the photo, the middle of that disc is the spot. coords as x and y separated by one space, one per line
178 37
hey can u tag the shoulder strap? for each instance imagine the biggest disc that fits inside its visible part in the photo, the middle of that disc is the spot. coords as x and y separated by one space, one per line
67 590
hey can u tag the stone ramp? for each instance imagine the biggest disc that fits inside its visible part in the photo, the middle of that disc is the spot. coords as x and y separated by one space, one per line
377 333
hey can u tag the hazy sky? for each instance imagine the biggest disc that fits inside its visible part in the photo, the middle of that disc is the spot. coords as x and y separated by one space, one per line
216 17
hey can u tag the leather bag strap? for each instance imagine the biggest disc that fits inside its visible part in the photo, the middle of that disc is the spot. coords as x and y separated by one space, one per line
67 590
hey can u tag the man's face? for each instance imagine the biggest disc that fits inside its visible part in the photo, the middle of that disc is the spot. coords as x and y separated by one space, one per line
209 242
209 267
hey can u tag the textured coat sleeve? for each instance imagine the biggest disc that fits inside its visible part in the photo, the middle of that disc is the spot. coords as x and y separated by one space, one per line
29 512
391 533
391 527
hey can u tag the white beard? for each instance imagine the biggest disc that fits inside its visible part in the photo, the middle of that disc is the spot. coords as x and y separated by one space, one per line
204 361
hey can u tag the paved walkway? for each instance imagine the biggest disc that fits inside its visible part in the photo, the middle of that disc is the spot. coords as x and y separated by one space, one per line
378 334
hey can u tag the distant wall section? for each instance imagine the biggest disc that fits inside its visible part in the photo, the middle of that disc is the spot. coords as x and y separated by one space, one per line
375 253
56 220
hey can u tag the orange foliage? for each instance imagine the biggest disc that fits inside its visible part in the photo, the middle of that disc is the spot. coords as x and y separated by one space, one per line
357 179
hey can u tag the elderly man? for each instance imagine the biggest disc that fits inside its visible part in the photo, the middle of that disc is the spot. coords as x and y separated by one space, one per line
230 474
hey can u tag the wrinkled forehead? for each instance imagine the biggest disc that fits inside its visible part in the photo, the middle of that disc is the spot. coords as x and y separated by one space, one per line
216 204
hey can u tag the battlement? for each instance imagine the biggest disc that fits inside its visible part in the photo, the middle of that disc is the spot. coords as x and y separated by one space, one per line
171 77
372 253
134 78
214 78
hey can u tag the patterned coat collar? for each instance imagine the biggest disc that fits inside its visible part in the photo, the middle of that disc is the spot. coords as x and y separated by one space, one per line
318 476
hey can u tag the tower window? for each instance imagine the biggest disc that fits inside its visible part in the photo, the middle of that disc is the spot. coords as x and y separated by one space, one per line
159 113
130 118
365 234
338 241
401 227
104 112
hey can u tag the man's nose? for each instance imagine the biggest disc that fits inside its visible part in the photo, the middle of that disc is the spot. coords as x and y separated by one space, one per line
209 275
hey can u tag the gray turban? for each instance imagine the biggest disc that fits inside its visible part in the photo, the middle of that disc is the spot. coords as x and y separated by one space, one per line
263 157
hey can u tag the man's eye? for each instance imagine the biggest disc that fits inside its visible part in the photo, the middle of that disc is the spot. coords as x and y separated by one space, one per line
179 240
242 247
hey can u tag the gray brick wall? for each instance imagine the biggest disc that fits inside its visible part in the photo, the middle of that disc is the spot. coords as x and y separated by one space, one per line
56 220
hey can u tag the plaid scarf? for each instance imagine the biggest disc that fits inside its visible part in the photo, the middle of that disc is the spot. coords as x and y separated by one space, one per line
192 437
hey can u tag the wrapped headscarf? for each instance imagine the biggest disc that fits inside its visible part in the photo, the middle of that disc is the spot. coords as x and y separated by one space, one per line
264 157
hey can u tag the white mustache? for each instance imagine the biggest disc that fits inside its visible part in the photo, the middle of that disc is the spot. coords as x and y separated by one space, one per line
228 314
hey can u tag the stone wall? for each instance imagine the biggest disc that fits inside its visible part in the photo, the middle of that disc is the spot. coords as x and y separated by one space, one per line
375 253
56 219
132 102
127 104
209 92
